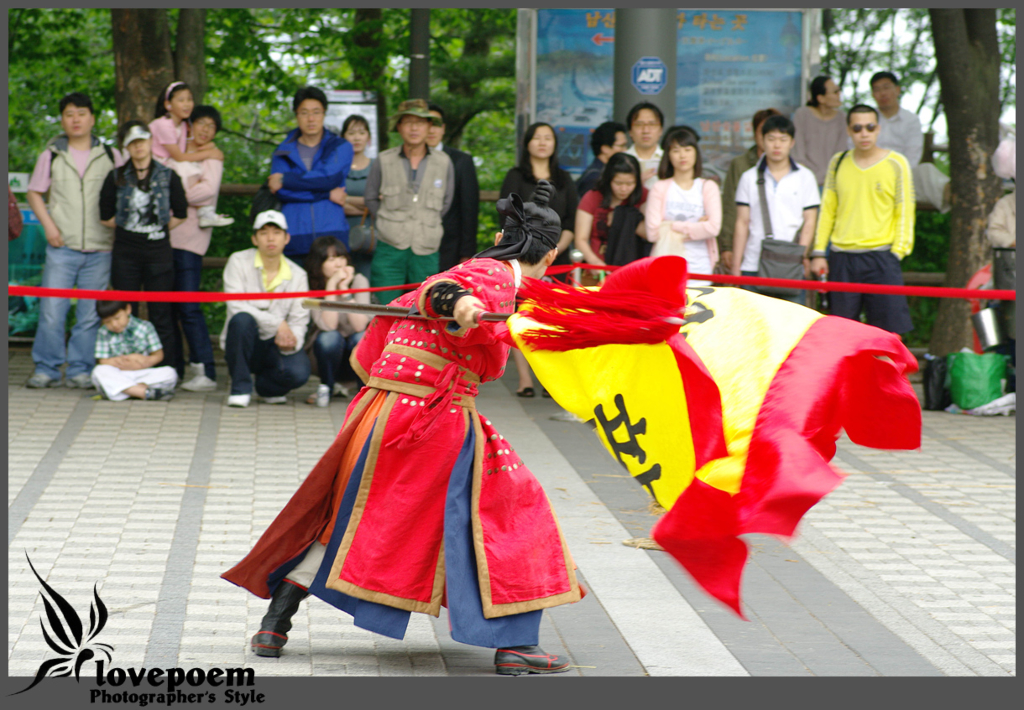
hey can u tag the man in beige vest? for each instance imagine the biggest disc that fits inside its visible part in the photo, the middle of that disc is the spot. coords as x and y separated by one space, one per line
72 170
408 190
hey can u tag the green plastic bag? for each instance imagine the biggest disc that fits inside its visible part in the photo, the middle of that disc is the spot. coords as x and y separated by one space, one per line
975 379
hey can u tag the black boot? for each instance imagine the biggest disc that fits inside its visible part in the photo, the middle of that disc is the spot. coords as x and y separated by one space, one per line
517 660
277 622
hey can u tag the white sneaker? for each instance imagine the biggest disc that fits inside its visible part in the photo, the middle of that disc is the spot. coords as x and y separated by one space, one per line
341 390
239 400
323 396
275 400
215 220
199 382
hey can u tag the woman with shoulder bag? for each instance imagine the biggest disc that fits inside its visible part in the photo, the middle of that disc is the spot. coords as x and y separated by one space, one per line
361 238
684 211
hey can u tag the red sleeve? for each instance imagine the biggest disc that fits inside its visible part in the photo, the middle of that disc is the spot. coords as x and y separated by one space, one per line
590 202
371 346
643 197
489 280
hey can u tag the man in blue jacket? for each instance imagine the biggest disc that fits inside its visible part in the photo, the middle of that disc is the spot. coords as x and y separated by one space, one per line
308 172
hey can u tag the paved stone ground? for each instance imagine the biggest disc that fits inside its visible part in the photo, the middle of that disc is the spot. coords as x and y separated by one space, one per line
908 568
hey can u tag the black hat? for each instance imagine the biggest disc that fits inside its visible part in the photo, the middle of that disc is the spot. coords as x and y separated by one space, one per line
524 222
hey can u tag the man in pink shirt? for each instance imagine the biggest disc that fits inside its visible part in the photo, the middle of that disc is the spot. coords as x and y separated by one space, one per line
71 169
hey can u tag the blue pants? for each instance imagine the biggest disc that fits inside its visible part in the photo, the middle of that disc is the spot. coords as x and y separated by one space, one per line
465 607
885 311
332 350
276 374
66 268
188 268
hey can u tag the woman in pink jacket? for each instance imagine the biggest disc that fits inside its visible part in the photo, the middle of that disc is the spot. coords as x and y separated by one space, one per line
684 211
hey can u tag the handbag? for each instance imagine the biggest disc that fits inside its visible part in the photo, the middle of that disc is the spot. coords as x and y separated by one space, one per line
780 259
361 238
14 219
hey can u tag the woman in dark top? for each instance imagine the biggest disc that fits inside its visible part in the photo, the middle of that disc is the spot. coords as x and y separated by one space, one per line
356 130
538 160
143 200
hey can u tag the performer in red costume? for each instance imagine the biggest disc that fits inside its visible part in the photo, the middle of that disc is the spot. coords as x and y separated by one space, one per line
420 502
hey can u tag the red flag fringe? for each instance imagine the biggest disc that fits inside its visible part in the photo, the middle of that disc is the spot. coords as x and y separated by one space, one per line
625 311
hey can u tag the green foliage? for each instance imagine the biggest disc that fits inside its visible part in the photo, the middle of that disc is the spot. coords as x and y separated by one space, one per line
931 243
931 254
72 44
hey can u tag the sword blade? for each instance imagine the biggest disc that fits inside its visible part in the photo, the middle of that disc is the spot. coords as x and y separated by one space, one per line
372 309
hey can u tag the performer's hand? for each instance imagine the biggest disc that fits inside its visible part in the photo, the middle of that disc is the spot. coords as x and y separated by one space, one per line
819 265
275 182
726 259
466 310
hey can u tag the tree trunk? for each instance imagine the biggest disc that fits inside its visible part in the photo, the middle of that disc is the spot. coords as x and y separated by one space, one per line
142 61
369 63
967 61
189 51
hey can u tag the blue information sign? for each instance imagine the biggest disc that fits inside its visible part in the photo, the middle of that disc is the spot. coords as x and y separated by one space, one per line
649 75
729 64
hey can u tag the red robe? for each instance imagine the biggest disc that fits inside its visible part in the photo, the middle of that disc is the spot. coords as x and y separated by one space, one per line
392 550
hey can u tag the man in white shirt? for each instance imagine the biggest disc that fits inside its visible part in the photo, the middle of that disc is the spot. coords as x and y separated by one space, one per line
265 337
646 123
901 129
791 191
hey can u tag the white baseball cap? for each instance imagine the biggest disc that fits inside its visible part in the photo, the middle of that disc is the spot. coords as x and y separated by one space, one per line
136 133
270 217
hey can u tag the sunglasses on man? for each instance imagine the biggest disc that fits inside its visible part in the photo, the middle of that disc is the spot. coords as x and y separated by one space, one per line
869 127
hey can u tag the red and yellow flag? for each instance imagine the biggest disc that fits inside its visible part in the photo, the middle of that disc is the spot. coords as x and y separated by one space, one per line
727 412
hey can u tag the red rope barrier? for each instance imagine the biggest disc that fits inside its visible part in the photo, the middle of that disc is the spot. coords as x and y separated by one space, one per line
184 296
821 286
214 297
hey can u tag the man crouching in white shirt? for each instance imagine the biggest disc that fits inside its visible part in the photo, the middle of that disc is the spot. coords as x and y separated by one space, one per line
264 337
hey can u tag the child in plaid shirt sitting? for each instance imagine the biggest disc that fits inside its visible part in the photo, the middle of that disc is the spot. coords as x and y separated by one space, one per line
127 348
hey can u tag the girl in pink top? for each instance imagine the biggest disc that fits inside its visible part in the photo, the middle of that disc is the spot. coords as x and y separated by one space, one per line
170 139
684 211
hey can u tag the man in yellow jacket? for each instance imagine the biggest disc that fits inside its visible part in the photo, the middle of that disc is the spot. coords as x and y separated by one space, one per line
867 213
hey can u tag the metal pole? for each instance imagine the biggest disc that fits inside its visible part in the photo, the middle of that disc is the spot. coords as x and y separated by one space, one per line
419 53
640 34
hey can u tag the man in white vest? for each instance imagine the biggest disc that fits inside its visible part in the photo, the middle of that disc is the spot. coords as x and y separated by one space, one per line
72 169
408 191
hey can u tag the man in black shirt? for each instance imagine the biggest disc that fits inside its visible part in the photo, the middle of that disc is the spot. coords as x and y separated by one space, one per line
461 219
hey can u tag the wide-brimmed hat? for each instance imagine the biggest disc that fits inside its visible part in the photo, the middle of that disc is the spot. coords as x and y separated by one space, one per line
412 107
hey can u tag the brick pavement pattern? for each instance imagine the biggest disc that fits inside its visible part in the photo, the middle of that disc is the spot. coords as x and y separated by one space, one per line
908 568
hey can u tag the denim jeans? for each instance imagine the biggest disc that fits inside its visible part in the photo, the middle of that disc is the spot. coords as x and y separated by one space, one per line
276 374
188 267
66 268
332 351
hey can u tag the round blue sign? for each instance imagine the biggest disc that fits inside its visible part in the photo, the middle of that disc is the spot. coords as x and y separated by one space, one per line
650 75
